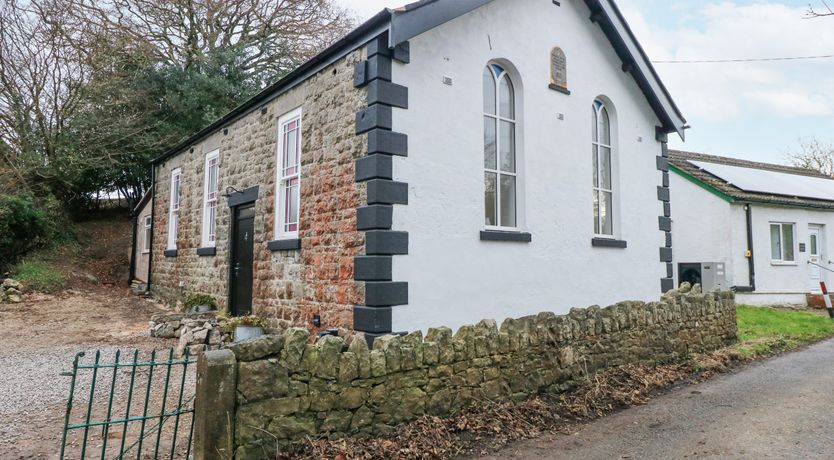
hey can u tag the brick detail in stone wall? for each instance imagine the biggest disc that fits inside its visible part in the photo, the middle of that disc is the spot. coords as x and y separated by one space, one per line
288 285
289 389
667 283
382 193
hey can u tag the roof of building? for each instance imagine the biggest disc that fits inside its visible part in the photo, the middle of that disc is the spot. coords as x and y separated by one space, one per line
145 198
737 180
413 19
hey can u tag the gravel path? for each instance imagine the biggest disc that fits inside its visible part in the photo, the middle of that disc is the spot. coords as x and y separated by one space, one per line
782 408
39 340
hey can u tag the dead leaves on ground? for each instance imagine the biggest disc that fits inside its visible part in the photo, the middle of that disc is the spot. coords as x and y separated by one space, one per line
490 426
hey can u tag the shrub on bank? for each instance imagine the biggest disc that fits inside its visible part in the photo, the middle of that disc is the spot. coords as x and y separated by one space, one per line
27 224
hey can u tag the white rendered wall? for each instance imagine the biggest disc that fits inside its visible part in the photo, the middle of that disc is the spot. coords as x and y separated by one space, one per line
778 280
702 228
454 278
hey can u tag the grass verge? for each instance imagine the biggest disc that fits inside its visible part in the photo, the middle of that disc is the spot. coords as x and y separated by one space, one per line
764 331
39 275
489 426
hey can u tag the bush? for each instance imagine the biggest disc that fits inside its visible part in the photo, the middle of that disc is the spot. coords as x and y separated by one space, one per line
26 225
196 300
251 320
39 276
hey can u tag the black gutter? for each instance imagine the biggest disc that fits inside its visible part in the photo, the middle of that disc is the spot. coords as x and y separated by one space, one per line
290 80
629 60
751 266
647 60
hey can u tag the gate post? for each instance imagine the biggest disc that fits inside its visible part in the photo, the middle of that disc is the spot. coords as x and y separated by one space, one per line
214 406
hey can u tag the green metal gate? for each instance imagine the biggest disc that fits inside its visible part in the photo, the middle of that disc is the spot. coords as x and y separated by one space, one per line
139 408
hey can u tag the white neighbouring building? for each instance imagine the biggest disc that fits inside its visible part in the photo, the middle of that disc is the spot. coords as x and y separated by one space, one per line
445 162
761 229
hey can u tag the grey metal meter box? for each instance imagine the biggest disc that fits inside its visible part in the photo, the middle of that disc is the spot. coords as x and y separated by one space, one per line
712 276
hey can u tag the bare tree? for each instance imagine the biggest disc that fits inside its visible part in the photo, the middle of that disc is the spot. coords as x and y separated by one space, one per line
39 82
56 59
814 155
277 35
825 10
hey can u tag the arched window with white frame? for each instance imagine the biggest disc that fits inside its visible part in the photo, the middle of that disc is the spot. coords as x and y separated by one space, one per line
500 145
603 158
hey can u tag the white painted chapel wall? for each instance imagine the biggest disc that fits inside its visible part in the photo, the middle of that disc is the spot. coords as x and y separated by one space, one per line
454 278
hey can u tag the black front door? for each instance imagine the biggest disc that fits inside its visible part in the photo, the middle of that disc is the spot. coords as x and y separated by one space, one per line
240 283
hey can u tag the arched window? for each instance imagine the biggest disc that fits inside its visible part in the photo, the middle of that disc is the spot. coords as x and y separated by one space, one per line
603 178
500 127
558 69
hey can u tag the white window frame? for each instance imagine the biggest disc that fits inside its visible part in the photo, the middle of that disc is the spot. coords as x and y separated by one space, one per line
146 243
208 235
597 145
781 260
282 177
174 208
515 121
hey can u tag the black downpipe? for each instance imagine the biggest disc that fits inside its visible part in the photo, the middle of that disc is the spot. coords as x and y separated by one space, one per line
750 262
132 274
153 224
751 266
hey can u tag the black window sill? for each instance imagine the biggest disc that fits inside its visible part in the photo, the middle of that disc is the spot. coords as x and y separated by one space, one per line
516 237
608 243
171 253
204 252
558 88
284 245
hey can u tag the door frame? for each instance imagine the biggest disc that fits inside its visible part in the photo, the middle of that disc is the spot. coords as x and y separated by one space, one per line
236 200
821 252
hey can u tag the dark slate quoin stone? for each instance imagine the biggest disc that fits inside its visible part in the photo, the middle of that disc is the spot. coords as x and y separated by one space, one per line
374 167
372 268
387 142
386 242
375 217
376 116
382 191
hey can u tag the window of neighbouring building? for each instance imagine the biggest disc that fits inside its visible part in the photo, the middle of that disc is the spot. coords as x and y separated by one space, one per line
603 154
209 233
146 242
288 194
782 242
174 208
500 156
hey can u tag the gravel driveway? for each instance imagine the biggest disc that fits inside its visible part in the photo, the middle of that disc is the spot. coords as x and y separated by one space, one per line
782 408
39 339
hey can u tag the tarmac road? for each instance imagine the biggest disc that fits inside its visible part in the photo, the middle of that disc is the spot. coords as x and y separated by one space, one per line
781 408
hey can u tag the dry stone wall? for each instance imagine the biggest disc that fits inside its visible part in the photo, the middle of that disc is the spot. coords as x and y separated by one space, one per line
288 388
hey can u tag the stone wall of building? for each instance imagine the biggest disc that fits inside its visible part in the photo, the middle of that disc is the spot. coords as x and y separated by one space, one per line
288 388
289 285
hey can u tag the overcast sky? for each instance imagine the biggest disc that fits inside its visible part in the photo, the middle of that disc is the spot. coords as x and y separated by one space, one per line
754 110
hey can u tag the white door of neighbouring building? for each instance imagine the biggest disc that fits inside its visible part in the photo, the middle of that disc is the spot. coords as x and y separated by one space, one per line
815 257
